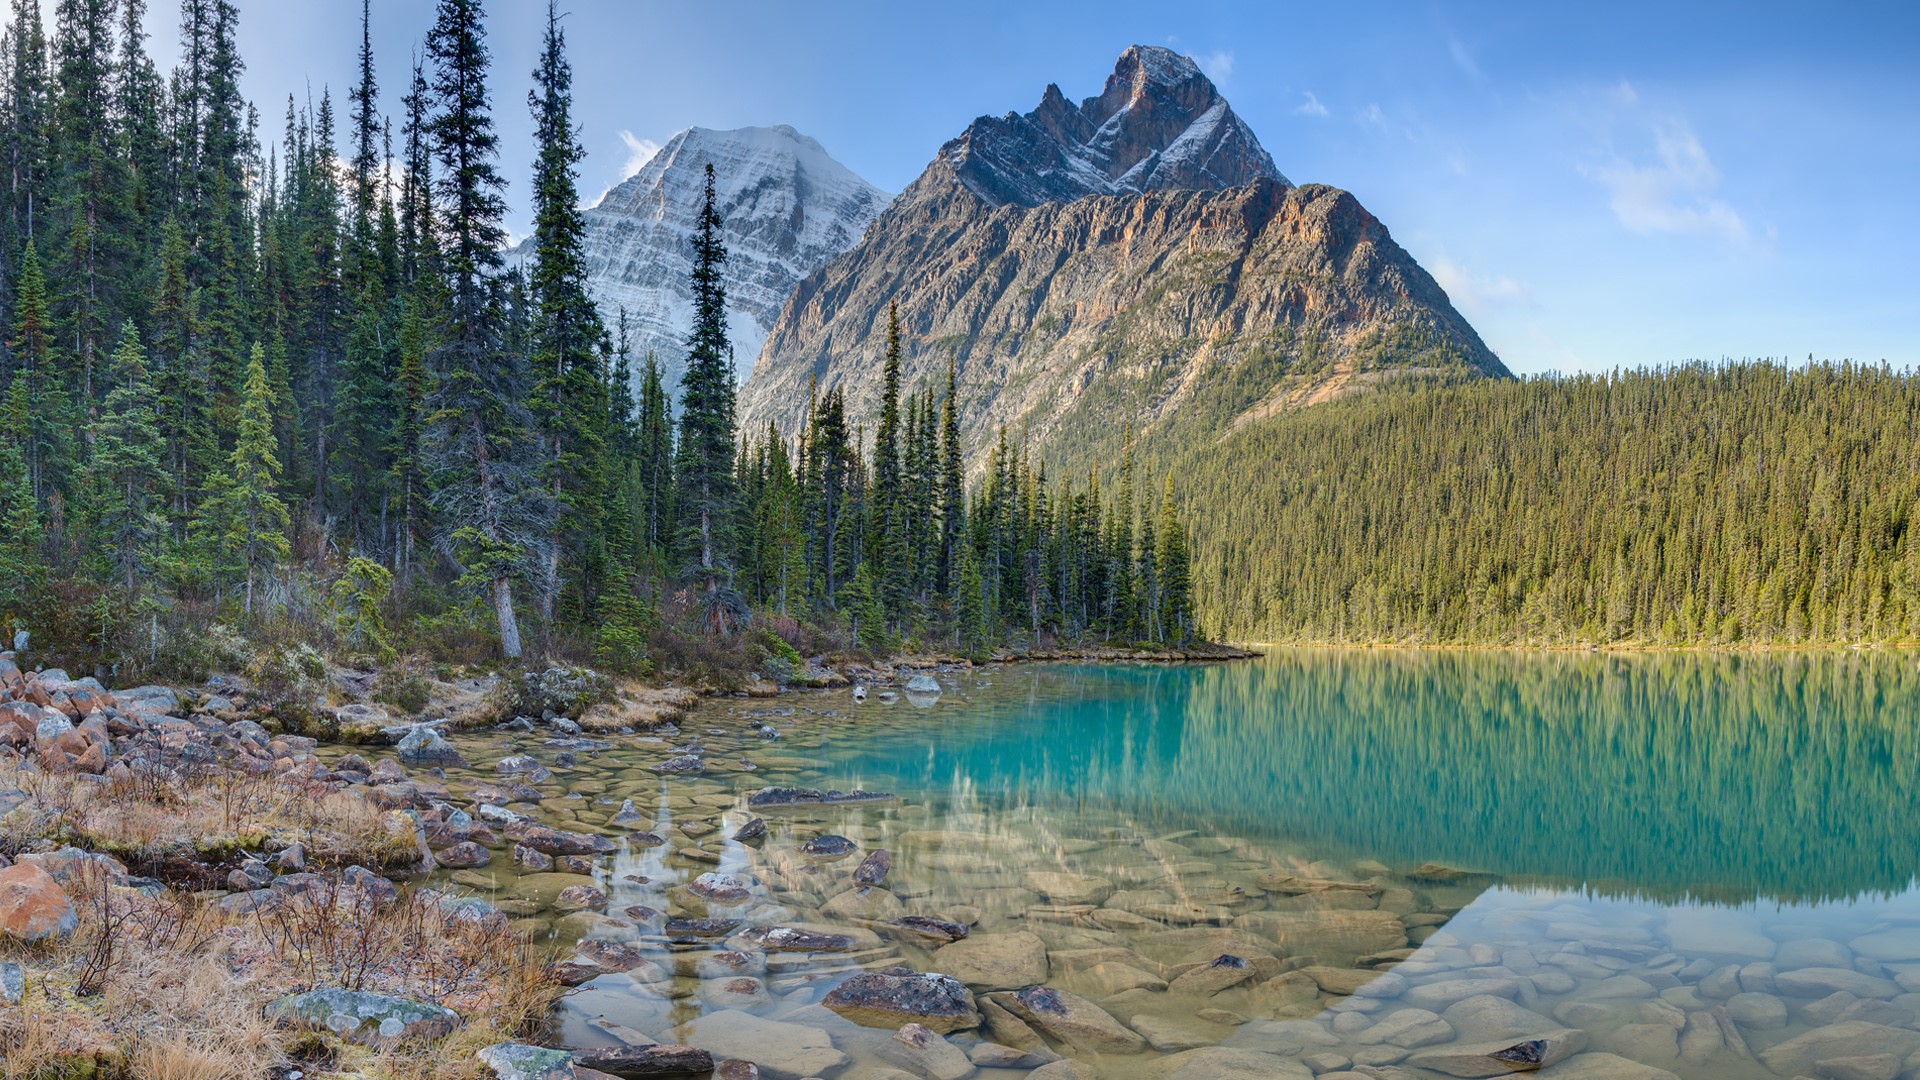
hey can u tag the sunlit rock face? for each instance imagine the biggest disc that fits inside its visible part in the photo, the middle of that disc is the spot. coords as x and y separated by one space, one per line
1089 270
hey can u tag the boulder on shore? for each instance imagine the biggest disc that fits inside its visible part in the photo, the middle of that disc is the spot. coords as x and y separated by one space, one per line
33 906
375 1020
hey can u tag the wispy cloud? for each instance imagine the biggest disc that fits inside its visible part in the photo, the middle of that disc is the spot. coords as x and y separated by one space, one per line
1373 116
1672 190
1478 293
639 152
1311 107
1218 65
1464 60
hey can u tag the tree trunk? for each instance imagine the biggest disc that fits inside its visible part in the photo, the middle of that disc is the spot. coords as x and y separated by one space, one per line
503 610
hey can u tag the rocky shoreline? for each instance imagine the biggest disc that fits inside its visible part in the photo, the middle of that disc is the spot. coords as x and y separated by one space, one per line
586 890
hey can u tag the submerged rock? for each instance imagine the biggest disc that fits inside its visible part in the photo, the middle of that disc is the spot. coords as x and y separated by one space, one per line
922 930
829 847
874 868
786 796
551 841
889 998
1072 1020
656 1059
699 929
1542 1050
996 961
789 939
754 829
782 1051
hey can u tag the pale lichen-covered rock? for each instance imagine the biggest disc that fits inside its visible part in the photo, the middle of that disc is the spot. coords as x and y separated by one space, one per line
518 1061
369 1019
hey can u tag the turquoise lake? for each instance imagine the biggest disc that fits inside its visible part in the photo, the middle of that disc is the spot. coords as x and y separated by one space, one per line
1340 864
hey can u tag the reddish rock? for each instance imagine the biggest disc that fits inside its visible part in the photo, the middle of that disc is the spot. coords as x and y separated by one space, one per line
33 906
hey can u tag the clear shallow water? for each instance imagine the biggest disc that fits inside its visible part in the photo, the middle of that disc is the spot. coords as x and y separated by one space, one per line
1696 864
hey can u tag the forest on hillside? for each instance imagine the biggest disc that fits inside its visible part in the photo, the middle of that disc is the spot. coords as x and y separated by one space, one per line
267 398
1744 503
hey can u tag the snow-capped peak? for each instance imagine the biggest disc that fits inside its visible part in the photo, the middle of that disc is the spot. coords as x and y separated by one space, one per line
786 206
1159 122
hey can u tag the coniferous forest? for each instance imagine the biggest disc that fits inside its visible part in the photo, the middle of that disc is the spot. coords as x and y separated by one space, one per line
1744 503
294 391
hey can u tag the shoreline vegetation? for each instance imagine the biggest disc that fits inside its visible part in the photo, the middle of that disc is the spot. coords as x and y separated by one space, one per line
1257 648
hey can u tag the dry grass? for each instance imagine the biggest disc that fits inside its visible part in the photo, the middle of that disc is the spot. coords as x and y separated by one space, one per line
168 988
217 813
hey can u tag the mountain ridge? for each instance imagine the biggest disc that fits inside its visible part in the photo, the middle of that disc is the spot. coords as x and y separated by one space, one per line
787 207
1191 303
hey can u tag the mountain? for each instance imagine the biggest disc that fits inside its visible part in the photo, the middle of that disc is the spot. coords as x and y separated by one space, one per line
787 205
1135 263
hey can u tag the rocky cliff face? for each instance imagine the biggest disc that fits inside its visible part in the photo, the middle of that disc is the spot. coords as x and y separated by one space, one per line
788 207
1135 263
1158 124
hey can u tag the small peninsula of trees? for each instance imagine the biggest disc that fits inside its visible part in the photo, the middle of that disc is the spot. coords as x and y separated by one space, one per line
298 389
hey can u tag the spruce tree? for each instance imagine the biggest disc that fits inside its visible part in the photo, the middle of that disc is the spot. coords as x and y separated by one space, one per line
1176 576
185 407
952 488
568 392
23 568
123 477
486 492
654 462
28 123
886 528
50 416
253 519
703 465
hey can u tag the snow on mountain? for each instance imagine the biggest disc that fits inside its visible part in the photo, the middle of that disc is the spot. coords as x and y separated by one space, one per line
787 208
1159 124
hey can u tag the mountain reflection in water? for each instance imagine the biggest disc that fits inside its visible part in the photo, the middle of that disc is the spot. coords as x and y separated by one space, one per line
1718 777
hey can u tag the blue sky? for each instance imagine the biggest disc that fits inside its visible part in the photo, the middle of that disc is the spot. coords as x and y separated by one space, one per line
1596 185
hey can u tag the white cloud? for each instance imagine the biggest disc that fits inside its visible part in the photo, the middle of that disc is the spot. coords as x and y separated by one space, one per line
1217 65
639 152
1673 192
1373 115
1476 293
1311 107
1463 59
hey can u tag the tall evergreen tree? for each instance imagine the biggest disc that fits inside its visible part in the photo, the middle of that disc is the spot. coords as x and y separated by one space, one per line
50 415
1176 575
703 465
23 567
253 519
952 484
29 127
124 477
486 487
887 522
569 391
653 461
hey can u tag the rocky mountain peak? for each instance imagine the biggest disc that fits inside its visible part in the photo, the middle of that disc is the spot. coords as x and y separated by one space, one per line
787 205
1158 124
